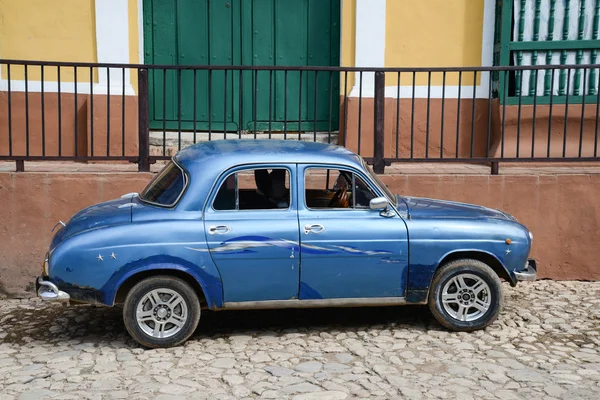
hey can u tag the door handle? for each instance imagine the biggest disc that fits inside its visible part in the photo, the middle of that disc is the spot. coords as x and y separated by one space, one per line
220 229
314 228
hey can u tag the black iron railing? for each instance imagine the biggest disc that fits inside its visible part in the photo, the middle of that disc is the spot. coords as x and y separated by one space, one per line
145 113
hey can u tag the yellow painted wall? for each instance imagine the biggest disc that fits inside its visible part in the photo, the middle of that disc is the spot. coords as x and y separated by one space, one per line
134 39
49 30
418 34
348 39
433 33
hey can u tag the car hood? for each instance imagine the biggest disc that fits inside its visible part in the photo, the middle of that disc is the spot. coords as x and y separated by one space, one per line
419 207
108 213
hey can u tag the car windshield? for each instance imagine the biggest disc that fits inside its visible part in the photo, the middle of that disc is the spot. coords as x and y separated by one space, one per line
166 187
390 196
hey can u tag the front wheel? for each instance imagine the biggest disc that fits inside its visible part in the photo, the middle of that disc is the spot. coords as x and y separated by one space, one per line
465 295
161 311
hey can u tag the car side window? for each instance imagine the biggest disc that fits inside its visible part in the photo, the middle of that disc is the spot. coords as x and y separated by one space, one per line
254 189
335 189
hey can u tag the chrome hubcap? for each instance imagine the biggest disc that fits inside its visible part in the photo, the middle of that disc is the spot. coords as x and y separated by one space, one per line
466 297
161 313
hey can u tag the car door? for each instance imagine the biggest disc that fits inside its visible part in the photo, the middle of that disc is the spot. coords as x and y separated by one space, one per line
251 225
347 249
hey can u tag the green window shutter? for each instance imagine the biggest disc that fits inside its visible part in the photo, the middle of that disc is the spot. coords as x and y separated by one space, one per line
546 32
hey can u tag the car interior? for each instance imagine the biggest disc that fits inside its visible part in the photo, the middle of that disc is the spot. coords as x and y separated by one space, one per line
263 189
347 191
259 189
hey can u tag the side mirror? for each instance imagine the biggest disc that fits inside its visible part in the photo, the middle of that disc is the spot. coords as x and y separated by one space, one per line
379 203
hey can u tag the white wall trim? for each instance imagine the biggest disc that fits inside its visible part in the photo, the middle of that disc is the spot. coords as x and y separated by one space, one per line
112 40
140 10
378 55
370 40
435 92
67 87
487 46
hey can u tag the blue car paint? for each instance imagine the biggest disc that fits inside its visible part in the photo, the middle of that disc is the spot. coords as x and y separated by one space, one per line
146 237
363 239
94 217
268 271
161 243
465 228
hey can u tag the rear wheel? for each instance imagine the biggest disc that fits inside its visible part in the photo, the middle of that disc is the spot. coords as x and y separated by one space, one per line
161 311
465 295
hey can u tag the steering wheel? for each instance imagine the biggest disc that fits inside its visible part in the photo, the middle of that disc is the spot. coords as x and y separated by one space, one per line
340 199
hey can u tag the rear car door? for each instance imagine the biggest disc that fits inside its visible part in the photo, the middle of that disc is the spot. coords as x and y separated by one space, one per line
347 249
251 225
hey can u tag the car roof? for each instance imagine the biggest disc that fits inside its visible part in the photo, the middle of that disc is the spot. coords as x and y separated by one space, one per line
223 154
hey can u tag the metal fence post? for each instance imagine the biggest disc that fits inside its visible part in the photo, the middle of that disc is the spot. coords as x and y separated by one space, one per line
495 167
378 117
143 122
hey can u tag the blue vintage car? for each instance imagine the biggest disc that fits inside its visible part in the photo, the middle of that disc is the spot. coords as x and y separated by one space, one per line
249 224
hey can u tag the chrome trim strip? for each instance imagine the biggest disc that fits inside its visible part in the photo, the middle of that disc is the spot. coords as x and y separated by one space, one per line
49 292
58 223
316 303
133 194
127 205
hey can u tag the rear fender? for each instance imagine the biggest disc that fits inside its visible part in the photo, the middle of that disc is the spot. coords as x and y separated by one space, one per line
207 277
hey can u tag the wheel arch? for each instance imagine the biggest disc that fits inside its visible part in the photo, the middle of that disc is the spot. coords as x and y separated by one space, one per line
479 255
118 294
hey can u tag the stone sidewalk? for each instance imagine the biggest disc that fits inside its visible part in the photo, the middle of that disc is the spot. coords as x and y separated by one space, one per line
545 345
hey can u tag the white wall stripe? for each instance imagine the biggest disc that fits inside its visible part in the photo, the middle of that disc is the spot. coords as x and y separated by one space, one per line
67 87
435 92
140 10
370 39
112 39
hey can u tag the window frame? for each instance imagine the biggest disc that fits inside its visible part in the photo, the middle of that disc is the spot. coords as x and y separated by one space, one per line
339 168
186 182
226 174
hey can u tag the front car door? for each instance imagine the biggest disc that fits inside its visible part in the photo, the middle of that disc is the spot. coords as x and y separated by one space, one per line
347 249
251 225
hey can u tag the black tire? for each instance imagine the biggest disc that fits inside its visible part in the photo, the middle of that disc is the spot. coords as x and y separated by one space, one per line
471 271
166 286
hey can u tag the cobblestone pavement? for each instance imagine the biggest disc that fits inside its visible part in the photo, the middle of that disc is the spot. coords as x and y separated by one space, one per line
545 345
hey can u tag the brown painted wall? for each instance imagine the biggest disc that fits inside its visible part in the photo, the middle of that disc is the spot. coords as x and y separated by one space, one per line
562 211
520 128
464 123
453 118
32 203
20 112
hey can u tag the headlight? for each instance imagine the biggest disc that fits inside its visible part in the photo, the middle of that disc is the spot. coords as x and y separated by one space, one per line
530 236
45 266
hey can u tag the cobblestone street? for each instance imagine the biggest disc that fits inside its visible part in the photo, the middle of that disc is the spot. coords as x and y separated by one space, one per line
544 345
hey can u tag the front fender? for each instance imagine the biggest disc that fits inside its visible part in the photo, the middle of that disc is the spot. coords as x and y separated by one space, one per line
509 273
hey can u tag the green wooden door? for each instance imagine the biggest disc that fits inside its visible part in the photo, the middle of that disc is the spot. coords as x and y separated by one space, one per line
242 32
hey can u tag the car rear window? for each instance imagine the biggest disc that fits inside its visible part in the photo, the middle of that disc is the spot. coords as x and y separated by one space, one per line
166 187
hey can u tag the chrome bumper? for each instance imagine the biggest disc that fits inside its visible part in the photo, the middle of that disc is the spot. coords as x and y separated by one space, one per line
49 292
529 273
